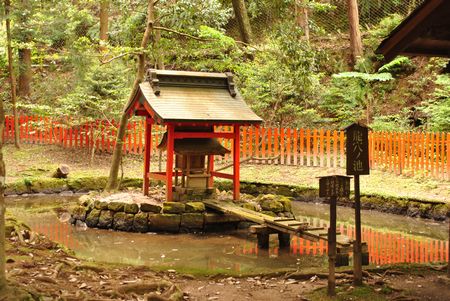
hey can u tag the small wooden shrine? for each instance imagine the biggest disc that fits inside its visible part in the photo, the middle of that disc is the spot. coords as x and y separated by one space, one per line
191 105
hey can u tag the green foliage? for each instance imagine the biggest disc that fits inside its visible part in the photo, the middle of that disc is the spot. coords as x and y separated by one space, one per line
102 92
391 123
283 78
438 107
397 66
353 93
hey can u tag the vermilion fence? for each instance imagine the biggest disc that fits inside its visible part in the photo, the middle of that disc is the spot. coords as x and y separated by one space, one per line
409 153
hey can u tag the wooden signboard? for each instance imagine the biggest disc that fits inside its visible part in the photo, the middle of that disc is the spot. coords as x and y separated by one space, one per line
334 186
357 145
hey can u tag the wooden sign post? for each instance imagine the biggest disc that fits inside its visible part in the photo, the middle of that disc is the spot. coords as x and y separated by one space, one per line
448 261
357 145
333 187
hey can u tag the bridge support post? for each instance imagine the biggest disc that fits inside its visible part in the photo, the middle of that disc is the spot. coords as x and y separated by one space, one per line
263 241
284 240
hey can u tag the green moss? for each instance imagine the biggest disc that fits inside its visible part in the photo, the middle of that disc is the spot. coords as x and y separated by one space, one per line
192 220
193 207
274 206
249 206
270 213
131 208
87 183
116 206
173 207
131 183
145 207
287 205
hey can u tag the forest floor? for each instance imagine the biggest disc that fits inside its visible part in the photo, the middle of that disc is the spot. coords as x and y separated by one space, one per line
43 269
41 161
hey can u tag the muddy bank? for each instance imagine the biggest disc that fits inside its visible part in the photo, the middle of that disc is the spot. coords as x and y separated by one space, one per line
396 205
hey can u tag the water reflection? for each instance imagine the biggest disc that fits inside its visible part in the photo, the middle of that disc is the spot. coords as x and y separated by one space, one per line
235 251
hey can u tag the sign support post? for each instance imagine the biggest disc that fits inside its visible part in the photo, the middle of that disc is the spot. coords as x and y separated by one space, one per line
332 248
333 187
357 256
357 146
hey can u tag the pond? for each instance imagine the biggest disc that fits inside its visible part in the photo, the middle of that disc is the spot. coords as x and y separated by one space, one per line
390 239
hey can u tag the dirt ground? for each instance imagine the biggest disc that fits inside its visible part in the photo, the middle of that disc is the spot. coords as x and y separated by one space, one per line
42 160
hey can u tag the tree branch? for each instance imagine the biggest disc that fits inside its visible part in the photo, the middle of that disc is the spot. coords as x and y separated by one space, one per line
183 34
119 56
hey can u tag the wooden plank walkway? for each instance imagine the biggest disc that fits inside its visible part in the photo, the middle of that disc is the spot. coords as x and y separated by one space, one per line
278 224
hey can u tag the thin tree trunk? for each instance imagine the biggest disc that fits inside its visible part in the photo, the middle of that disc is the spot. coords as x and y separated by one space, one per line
243 21
2 197
25 74
104 14
117 155
159 55
302 18
355 34
12 78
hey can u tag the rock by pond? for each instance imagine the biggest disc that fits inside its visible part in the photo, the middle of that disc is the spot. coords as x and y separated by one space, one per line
134 212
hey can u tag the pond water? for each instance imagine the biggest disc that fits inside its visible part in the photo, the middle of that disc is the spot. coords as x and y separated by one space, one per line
390 238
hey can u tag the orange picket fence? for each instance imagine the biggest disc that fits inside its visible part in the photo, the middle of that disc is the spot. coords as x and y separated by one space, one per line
410 153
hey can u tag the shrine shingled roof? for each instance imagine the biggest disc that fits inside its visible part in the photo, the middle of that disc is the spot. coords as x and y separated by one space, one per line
425 32
183 96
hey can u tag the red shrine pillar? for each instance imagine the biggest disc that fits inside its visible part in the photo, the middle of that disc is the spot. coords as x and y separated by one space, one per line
147 153
236 162
211 169
169 163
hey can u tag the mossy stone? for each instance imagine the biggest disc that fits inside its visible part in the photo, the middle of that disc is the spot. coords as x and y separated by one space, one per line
194 207
123 221
249 206
164 222
270 213
86 201
287 205
92 218
218 218
116 206
79 213
173 207
87 183
192 220
145 207
105 219
285 191
100 205
272 205
140 223
131 208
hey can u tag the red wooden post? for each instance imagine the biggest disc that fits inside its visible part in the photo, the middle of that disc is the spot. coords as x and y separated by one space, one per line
236 144
169 162
147 154
448 156
211 169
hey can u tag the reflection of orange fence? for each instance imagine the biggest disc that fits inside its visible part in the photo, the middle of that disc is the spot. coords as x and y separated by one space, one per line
384 248
403 153
58 232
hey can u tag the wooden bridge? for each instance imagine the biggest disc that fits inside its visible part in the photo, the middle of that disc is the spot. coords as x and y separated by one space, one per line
284 227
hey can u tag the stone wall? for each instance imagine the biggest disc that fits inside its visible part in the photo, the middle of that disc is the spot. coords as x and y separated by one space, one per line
172 217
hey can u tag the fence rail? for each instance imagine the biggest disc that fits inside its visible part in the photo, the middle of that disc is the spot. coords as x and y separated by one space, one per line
408 153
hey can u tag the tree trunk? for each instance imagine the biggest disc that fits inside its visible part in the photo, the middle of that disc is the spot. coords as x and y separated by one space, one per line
117 155
24 72
243 21
104 7
2 196
12 78
355 34
159 55
302 18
